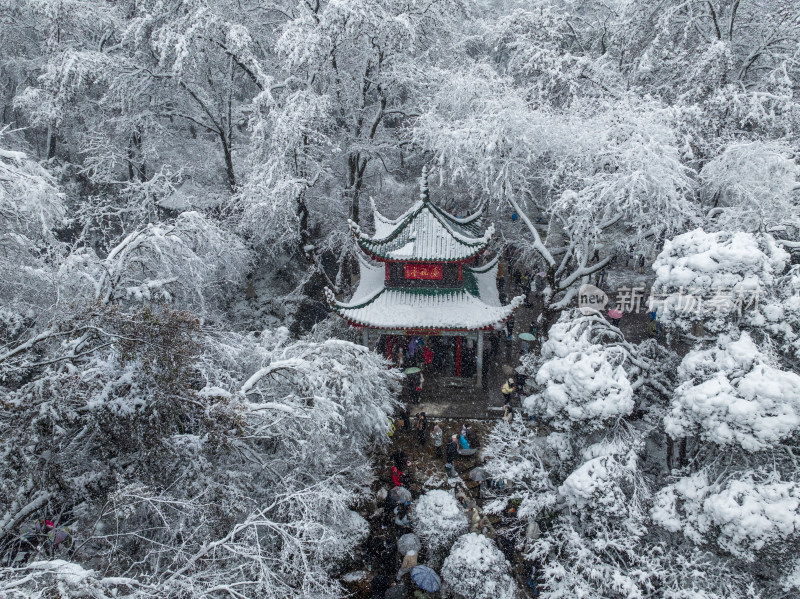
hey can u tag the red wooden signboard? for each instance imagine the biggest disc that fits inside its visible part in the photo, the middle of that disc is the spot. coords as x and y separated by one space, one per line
428 332
424 271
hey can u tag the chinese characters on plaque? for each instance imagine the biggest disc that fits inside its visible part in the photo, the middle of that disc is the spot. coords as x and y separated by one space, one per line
429 272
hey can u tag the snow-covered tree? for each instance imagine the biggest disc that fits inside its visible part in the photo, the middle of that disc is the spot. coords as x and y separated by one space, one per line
174 263
438 519
513 453
187 144
733 396
603 503
735 414
600 488
477 568
31 210
350 77
716 279
599 175
779 317
743 515
583 383
586 375
752 186
234 459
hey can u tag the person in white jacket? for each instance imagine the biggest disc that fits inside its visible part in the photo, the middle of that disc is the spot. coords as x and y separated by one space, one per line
438 438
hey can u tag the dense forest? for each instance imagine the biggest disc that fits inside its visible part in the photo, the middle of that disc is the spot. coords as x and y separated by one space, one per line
176 180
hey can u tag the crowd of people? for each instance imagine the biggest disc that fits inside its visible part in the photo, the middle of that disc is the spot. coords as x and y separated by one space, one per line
415 353
388 564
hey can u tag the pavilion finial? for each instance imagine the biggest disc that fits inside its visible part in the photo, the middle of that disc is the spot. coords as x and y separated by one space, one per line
423 185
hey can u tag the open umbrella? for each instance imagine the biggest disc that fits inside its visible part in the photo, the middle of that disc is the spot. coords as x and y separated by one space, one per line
400 494
615 314
408 542
412 370
426 579
479 474
396 592
527 337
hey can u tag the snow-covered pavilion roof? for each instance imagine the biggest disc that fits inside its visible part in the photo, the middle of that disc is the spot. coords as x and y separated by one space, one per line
425 233
452 309
474 306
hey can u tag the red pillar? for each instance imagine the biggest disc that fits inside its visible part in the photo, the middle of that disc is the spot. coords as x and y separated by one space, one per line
458 356
389 347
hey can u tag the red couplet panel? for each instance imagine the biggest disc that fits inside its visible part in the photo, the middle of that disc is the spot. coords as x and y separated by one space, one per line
431 272
458 356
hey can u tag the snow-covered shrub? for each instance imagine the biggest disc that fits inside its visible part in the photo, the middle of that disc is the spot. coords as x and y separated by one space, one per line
438 519
713 277
477 569
744 515
731 396
780 314
606 486
512 452
583 383
606 563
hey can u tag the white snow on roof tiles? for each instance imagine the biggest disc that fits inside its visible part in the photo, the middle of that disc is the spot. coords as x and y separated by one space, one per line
385 225
398 309
486 279
425 232
371 282
407 251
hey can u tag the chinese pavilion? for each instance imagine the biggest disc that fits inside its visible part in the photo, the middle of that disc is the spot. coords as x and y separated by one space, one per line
420 277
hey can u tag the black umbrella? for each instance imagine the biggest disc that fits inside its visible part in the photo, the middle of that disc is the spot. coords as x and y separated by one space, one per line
396 592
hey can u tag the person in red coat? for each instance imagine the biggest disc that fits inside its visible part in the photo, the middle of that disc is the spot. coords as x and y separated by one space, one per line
428 355
397 477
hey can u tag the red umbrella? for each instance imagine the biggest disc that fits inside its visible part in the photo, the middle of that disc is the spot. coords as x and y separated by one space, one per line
614 314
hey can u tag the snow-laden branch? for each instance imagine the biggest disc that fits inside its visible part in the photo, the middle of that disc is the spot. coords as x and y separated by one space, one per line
537 240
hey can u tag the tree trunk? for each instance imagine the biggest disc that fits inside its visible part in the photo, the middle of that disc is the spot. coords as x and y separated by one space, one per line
302 215
51 142
356 165
670 452
136 165
547 315
682 453
352 190
226 150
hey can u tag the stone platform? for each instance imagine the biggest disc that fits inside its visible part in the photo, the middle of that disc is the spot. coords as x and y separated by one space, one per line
447 397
